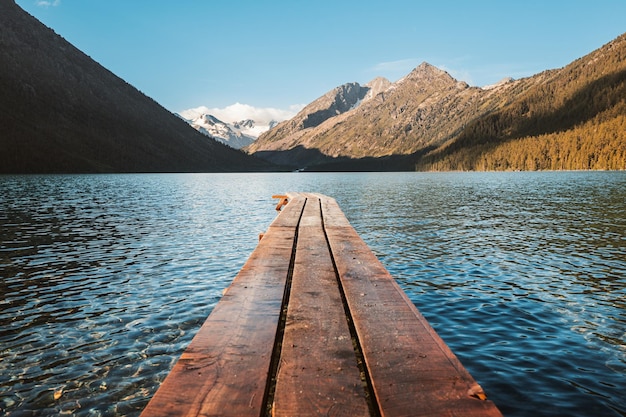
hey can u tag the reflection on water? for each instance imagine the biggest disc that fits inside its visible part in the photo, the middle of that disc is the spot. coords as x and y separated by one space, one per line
105 279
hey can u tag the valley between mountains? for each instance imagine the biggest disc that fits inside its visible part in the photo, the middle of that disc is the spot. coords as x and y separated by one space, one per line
62 112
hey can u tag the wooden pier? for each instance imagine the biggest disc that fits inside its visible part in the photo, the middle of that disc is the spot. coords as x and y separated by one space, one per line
314 325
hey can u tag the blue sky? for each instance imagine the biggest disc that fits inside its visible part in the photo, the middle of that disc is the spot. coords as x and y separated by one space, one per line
279 54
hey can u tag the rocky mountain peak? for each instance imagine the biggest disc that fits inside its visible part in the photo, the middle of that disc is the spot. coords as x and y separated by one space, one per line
426 73
429 120
376 86
208 118
336 101
244 124
236 135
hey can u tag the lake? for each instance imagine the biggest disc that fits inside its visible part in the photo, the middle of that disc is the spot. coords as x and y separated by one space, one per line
104 279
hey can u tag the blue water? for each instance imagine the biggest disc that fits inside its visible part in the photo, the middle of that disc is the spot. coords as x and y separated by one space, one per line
104 279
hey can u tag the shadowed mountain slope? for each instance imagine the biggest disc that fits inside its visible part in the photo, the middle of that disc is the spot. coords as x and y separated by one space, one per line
60 111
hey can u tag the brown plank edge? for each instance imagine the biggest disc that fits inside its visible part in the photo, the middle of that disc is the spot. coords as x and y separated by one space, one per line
224 370
411 370
313 324
318 372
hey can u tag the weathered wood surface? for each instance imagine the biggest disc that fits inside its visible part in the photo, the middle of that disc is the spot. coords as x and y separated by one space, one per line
318 373
315 325
412 371
224 370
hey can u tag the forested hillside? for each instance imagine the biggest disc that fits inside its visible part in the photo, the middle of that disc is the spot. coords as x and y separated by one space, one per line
576 119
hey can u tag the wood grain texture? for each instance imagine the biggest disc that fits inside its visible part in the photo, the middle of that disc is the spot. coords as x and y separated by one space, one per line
412 371
224 371
318 374
339 295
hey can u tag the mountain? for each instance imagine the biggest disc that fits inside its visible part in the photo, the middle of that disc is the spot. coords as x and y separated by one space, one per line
236 135
424 109
313 117
428 120
60 111
569 118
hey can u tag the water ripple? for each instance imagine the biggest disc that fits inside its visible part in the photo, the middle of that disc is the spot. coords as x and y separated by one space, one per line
105 279
530 279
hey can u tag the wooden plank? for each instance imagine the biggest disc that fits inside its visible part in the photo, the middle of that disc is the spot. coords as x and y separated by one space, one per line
411 370
318 373
290 215
283 201
224 371
227 368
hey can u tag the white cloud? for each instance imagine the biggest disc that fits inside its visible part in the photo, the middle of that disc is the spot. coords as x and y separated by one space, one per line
237 112
394 70
48 3
400 65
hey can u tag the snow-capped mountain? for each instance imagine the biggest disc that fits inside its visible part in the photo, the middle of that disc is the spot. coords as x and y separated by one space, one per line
236 132
236 135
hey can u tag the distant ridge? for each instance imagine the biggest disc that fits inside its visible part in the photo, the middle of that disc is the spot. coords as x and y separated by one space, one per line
568 118
60 111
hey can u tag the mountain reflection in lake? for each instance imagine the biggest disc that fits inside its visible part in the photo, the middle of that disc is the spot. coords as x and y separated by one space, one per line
106 278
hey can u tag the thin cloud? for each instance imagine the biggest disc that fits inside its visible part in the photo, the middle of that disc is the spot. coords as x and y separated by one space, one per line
48 3
394 70
399 65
